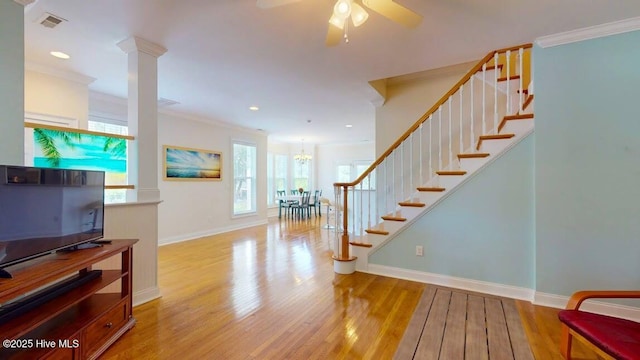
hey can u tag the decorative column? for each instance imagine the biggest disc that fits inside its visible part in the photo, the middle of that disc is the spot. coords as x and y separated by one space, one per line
143 116
12 81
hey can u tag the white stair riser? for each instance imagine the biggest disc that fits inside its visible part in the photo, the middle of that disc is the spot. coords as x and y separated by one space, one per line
430 197
494 146
450 181
472 164
518 127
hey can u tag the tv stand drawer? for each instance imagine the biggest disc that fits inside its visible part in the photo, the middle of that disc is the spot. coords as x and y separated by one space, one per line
104 327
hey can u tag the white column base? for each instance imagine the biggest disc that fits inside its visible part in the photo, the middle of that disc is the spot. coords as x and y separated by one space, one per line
345 267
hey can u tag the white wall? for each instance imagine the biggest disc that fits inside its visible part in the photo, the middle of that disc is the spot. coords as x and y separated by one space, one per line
60 96
192 209
409 97
11 83
329 156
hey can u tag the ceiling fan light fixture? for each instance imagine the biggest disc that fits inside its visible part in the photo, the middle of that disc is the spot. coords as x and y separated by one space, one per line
358 15
342 9
337 21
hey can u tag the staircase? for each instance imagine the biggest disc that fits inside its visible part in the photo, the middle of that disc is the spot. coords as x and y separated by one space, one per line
485 114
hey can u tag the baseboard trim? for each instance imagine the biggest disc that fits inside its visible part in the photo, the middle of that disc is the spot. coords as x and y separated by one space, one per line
146 295
201 234
592 32
598 307
509 291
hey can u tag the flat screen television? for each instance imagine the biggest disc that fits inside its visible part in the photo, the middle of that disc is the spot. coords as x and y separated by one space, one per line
44 209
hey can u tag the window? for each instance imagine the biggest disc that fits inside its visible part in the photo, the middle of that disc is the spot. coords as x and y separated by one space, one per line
112 196
244 178
276 176
348 172
60 144
302 175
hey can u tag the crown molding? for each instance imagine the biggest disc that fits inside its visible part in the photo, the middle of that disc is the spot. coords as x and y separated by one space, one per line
591 32
63 74
135 43
24 2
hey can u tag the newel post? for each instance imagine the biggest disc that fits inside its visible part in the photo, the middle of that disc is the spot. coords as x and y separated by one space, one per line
343 262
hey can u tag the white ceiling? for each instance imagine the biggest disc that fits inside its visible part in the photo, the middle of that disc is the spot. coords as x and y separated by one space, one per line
226 55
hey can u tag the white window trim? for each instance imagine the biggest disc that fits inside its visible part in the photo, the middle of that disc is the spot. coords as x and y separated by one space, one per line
232 187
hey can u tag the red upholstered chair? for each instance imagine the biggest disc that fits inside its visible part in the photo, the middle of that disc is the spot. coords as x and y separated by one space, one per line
608 336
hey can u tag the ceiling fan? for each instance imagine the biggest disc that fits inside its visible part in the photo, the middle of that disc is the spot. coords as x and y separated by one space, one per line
345 9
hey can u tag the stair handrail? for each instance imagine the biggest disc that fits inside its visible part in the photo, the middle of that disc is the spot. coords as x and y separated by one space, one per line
343 253
432 110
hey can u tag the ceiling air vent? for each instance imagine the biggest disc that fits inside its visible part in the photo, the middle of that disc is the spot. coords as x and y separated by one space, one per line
50 20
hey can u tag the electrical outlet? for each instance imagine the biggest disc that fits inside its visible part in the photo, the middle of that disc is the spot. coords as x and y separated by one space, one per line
419 250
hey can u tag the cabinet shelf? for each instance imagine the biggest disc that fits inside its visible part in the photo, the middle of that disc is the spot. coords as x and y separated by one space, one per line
80 323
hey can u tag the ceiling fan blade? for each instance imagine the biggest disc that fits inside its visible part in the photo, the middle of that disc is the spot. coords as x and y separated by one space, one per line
334 35
266 4
394 11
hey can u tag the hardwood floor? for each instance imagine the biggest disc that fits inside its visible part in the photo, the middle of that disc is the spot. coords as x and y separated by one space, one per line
269 292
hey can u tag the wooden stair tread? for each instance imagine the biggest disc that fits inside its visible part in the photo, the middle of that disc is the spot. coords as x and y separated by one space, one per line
434 189
361 244
377 232
453 172
512 77
493 137
527 102
514 117
412 204
519 117
473 155
496 136
393 218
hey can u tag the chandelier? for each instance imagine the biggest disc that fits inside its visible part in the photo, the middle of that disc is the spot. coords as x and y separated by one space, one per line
302 157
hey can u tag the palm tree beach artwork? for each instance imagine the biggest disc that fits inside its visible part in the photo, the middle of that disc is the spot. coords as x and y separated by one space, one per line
80 151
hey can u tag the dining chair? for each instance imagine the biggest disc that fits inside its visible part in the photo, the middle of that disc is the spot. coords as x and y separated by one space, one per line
304 206
287 204
317 210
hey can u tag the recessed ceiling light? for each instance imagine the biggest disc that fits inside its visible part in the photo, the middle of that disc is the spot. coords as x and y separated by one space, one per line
349 126
254 108
60 55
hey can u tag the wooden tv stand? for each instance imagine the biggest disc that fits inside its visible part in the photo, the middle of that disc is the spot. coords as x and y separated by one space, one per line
79 324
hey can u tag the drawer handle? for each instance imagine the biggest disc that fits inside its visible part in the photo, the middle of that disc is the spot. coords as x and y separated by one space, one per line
108 325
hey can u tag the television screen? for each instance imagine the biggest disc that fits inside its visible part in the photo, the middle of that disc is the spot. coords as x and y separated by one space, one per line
43 209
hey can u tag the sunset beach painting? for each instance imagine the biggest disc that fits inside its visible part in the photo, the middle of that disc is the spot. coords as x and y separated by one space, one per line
182 163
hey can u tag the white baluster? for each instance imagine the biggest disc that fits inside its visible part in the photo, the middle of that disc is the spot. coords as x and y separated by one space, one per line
410 164
386 189
460 130
520 91
440 138
471 135
393 180
484 97
450 138
361 210
402 178
421 181
495 97
430 148
369 200
353 210
508 82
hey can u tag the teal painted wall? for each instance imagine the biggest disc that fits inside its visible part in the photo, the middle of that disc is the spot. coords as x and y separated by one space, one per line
587 169
11 82
483 231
